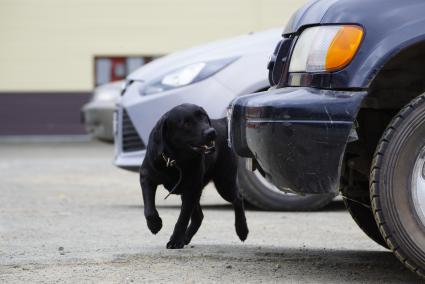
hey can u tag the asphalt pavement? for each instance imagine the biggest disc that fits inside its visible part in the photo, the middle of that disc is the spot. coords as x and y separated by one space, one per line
68 215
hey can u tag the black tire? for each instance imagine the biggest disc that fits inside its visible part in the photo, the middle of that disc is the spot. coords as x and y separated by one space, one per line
363 217
258 192
393 183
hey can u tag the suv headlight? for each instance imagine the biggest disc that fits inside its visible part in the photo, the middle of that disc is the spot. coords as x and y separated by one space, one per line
186 75
325 48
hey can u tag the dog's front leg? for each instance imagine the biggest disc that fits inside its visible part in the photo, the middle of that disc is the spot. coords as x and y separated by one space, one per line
151 214
177 239
195 223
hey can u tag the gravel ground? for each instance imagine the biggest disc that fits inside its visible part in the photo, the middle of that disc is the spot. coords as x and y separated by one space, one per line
68 215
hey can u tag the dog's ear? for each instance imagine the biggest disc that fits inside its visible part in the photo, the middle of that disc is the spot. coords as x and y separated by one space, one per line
159 135
206 114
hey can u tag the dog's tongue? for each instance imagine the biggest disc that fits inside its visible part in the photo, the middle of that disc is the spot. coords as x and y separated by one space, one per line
208 146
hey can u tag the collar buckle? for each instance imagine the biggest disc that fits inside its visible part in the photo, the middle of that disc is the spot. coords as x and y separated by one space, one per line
168 161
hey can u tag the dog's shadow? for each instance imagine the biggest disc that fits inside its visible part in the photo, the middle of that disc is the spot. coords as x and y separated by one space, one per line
175 206
204 206
336 205
307 265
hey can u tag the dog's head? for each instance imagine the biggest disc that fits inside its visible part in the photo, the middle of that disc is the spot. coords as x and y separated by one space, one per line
186 129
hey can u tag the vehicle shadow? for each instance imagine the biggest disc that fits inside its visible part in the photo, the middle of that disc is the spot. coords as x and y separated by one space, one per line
282 264
335 205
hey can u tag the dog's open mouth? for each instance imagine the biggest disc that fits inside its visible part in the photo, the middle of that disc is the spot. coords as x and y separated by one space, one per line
206 148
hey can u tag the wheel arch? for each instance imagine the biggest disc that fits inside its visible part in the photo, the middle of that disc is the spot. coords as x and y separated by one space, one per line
399 80
382 53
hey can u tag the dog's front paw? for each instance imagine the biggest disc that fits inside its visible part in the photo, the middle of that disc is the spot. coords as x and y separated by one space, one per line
154 223
242 231
175 244
187 239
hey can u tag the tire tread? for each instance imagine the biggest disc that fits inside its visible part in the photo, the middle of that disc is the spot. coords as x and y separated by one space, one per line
374 185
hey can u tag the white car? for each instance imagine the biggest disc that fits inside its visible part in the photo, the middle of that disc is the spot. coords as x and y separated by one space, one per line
210 76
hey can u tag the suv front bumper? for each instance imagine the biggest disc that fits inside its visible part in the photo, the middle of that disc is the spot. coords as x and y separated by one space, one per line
297 135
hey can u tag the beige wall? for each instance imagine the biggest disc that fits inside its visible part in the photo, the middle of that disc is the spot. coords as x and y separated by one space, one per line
49 45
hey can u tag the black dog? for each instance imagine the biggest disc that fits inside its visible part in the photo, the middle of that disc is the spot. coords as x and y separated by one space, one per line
186 150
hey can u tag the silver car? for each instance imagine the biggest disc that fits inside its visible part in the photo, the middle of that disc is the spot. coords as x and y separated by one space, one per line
97 114
210 76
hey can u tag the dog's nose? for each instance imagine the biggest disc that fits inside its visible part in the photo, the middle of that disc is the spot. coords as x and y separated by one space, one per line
210 134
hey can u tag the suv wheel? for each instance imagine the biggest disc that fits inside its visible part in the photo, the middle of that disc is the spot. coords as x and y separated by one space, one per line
262 194
397 185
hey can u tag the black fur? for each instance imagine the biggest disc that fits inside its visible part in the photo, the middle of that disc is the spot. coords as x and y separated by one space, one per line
178 136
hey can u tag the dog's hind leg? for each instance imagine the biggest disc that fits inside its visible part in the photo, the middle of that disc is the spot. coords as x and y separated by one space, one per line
151 214
195 223
230 192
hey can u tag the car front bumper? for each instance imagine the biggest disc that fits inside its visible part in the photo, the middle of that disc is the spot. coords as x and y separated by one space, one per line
97 118
296 135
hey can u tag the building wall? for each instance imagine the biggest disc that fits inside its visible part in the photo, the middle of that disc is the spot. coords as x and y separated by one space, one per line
49 45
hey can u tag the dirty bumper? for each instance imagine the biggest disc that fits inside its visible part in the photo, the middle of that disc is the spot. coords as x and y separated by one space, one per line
297 135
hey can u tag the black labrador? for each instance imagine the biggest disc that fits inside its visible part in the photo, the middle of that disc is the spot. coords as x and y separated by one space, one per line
186 150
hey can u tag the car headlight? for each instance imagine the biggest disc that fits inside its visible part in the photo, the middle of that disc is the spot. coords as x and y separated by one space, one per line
186 75
325 48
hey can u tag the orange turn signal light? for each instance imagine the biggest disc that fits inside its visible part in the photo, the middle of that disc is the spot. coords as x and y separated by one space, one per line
343 47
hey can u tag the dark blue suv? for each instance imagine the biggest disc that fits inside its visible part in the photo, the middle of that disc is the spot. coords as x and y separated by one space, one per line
347 113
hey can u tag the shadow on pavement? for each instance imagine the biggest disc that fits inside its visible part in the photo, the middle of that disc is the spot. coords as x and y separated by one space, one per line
173 206
305 265
336 205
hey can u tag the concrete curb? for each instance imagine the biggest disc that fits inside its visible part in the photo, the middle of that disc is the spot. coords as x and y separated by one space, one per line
45 138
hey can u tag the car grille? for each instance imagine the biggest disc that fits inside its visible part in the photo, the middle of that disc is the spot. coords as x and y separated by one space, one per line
131 140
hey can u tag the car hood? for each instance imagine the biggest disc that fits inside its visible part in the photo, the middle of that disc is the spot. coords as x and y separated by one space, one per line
365 12
109 92
116 85
235 47
310 13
